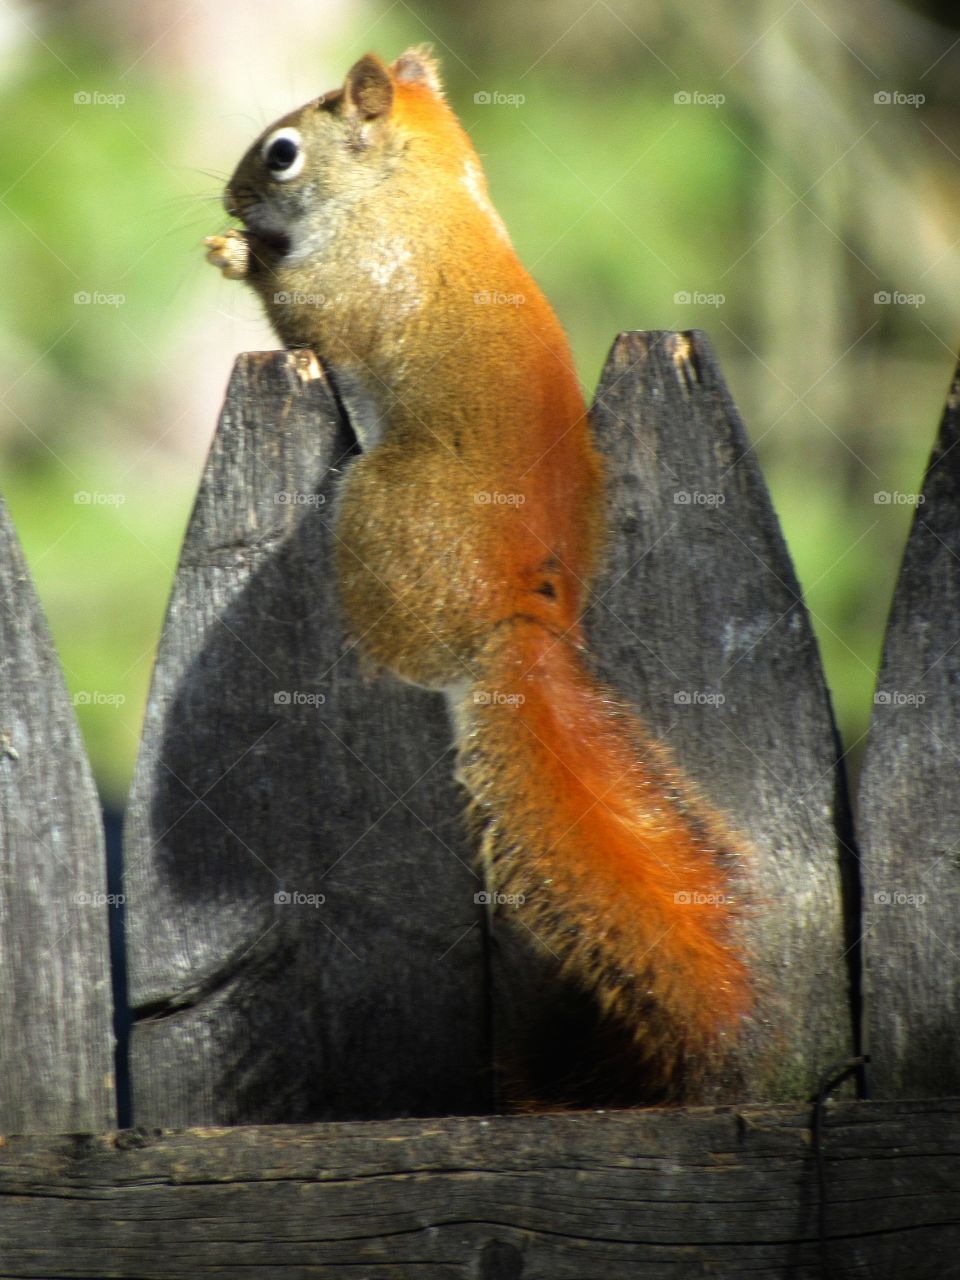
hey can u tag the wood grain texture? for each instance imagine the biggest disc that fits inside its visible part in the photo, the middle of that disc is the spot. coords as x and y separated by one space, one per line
270 765
909 810
698 621
56 1035
719 1193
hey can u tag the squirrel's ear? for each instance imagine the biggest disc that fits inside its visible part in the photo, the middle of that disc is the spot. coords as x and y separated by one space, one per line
417 65
368 89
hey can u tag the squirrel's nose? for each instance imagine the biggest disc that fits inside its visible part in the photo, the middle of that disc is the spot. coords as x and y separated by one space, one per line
230 203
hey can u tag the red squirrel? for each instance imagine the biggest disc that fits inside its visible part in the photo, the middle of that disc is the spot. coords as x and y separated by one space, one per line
467 534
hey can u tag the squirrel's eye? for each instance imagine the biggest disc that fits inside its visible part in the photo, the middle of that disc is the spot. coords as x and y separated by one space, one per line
282 153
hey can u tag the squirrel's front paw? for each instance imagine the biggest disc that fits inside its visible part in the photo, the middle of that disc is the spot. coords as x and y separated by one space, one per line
230 252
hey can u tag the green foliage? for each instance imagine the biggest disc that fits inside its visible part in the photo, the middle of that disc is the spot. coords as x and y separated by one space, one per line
102 549
93 228
83 307
622 204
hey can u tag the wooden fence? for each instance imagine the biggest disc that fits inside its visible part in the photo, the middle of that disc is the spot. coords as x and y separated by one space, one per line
306 949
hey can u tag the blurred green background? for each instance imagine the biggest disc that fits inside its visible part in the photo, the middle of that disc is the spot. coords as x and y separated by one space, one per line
791 162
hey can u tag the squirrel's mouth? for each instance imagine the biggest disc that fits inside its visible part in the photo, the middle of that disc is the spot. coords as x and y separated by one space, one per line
277 242
257 219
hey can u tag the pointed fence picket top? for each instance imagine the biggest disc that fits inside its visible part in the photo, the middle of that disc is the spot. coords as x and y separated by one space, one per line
56 1006
304 941
909 810
700 622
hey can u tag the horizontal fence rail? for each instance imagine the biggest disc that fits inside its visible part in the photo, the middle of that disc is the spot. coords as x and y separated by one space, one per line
719 1193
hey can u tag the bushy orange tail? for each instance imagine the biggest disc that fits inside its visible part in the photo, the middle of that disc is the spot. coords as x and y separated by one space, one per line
625 875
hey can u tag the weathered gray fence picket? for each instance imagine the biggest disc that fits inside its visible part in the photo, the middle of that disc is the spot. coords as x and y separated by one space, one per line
56 1006
305 941
910 803
699 621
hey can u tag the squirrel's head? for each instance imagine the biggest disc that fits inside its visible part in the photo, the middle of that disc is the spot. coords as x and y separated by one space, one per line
339 148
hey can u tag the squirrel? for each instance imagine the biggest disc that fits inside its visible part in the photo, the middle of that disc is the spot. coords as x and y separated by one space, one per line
467 534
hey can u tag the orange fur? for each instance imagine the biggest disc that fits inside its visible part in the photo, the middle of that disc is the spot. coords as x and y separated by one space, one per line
623 874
